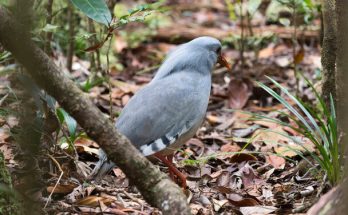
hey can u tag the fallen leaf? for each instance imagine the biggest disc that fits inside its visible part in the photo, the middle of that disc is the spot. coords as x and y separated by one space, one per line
276 161
257 210
230 147
82 148
125 87
266 52
223 179
283 61
61 188
243 132
270 137
248 176
226 124
218 204
118 173
299 56
120 44
94 201
242 157
7 151
204 201
86 142
212 119
238 93
240 201
291 149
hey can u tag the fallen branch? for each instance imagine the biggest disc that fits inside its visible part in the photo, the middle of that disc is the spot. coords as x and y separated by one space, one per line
187 33
154 185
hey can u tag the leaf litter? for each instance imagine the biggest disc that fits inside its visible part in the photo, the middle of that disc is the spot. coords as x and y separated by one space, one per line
234 164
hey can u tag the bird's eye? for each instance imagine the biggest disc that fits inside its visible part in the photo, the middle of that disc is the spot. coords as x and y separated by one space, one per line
218 51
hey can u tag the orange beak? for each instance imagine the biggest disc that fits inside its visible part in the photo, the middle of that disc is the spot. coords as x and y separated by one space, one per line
223 62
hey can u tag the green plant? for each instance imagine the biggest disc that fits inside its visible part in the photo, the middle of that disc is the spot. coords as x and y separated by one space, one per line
245 10
251 43
302 12
64 118
4 56
87 85
316 124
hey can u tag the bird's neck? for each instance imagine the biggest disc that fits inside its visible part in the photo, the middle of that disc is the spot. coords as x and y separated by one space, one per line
201 64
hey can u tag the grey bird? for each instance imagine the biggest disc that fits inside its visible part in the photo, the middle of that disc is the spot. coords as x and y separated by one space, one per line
167 112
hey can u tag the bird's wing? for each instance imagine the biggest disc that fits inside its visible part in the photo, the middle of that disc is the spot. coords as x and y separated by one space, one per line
158 114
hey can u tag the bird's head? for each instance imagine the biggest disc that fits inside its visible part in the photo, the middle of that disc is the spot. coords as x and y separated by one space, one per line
213 47
200 54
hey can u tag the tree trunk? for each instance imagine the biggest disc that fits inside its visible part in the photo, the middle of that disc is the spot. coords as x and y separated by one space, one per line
342 70
335 202
154 185
328 52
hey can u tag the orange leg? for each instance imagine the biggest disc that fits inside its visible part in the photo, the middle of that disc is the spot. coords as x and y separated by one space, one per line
171 173
172 169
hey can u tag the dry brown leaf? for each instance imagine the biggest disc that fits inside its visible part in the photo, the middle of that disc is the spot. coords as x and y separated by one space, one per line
248 176
125 87
198 209
196 142
267 124
228 121
239 92
240 201
267 108
61 188
4 135
82 148
94 201
299 56
213 119
7 151
223 189
242 157
218 204
266 52
86 142
270 137
120 44
119 173
224 179
276 161
290 148
230 147
216 138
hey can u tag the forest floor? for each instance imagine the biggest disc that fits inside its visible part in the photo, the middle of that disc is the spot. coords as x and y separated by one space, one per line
234 164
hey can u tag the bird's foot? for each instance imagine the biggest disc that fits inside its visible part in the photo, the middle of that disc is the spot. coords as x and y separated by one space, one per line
174 173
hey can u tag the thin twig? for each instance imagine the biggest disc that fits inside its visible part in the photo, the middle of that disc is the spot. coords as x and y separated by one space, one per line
71 43
109 79
294 42
49 35
322 185
242 41
60 177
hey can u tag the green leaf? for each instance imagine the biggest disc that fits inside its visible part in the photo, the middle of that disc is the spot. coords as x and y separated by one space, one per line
284 21
94 9
50 28
4 55
253 5
231 10
63 116
90 83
